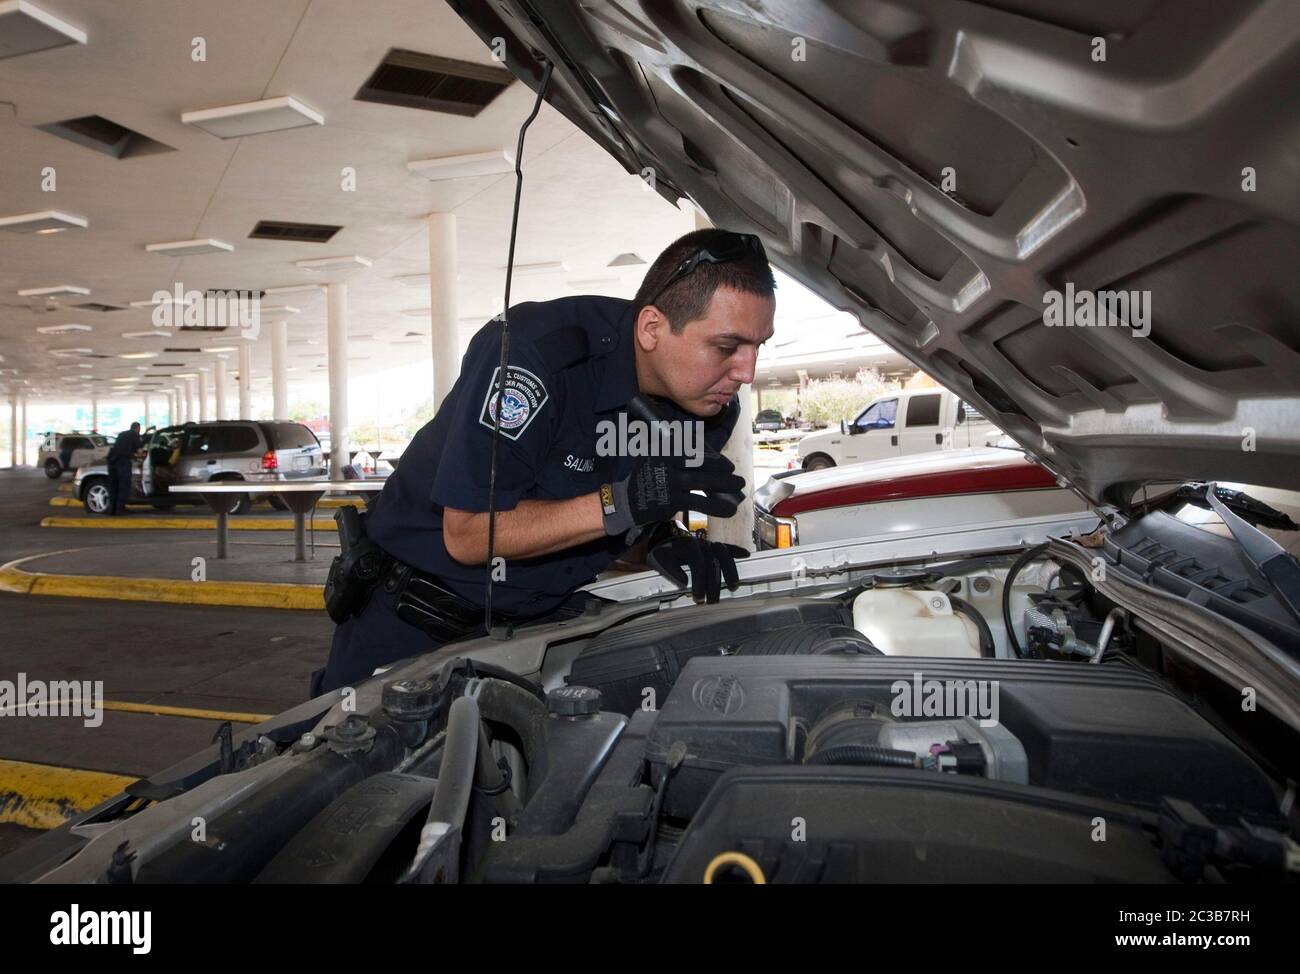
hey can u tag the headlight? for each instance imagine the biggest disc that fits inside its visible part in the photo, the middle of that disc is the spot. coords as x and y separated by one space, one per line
775 532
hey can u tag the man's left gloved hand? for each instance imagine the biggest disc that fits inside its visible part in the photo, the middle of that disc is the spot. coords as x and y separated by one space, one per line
709 561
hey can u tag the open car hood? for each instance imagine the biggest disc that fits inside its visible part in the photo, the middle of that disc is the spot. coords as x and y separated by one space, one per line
944 170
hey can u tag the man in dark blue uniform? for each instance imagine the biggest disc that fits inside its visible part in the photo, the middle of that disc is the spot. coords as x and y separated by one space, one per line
573 491
120 454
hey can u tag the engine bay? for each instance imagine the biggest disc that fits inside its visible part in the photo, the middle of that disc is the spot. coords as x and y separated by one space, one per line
988 719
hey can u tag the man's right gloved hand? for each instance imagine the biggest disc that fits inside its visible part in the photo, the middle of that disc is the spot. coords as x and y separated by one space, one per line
659 487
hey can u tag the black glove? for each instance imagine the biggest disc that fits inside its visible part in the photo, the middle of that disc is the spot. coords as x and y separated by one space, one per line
709 562
659 487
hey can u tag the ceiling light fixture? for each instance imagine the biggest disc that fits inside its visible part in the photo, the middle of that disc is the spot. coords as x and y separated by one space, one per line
324 263
292 289
26 28
190 248
41 292
254 117
468 166
62 329
46 221
170 299
541 267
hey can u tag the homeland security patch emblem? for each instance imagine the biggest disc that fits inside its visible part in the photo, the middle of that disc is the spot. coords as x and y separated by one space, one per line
522 400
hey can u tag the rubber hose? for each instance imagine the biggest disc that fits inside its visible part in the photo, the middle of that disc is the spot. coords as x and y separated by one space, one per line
491 780
508 704
1028 555
492 671
459 757
863 754
988 648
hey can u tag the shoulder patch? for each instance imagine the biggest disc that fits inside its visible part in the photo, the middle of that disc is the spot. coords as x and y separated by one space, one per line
522 400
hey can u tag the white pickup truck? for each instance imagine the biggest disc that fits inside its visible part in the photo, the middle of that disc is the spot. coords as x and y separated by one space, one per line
896 424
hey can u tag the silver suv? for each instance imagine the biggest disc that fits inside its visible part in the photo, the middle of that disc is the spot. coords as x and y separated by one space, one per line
196 453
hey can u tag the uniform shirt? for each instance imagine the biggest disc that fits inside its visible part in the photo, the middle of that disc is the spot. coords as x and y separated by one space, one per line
572 365
125 446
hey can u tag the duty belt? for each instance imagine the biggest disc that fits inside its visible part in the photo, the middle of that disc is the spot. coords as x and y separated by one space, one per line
425 602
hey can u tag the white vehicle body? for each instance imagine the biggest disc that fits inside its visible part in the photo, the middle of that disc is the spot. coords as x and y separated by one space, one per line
61 452
898 424
935 491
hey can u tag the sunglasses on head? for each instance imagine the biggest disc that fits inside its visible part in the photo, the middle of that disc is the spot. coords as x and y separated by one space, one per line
737 246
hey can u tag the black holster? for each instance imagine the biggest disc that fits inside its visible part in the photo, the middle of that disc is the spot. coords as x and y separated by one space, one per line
357 568
422 600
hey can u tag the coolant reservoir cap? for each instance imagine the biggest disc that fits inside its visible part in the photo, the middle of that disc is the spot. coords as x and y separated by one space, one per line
409 699
899 577
573 701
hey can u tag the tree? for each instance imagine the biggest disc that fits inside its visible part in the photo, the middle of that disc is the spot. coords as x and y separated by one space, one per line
827 401
308 409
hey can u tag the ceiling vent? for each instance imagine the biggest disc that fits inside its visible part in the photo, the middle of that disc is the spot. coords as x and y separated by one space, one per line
182 351
625 260
97 306
106 136
409 79
303 232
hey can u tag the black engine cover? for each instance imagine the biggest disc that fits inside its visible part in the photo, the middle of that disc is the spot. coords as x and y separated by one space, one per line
625 661
1108 731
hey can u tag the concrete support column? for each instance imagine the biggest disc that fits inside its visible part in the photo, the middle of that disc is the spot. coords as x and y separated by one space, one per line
444 337
189 400
22 433
279 370
13 430
246 381
336 311
219 376
94 413
146 411
171 408
203 395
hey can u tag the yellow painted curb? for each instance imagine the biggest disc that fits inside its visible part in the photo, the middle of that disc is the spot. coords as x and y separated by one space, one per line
264 595
181 523
65 488
324 502
163 710
43 796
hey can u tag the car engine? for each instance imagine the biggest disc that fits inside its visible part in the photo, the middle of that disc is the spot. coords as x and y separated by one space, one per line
894 730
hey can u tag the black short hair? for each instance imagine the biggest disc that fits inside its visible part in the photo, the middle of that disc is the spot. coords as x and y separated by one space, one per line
689 298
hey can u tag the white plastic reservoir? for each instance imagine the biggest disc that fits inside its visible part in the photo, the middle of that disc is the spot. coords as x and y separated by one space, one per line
914 622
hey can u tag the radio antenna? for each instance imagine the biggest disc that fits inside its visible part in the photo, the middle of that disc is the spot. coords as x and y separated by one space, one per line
505 348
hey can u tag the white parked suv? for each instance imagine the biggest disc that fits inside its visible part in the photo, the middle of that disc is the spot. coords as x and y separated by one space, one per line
896 424
61 452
